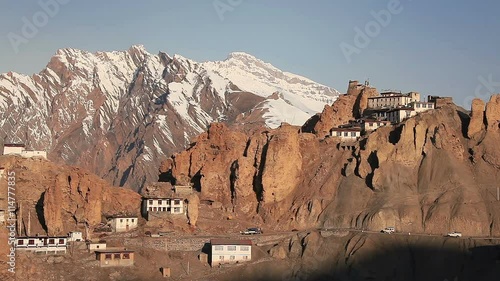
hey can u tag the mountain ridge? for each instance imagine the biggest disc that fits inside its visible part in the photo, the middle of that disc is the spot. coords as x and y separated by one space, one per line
112 112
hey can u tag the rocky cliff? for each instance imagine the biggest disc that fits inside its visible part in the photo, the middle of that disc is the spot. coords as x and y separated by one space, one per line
54 199
427 174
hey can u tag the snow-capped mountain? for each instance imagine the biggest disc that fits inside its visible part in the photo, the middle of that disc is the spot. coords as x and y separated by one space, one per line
118 113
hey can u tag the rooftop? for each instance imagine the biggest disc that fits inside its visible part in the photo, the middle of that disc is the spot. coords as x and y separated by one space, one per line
39 237
112 251
352 129
222 241
14 145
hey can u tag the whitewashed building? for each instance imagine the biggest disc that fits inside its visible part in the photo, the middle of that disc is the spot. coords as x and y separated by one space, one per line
230 251
398 115
352 133
75 236
372 124
34 153
20 149
13 148
121 224
164 205
421 106
42 244
393 100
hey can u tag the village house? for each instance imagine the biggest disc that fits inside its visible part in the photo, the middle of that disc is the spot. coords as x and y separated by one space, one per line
75 236
115 257
121 224
161 199
398 115
369 125
96 246
13 148
42 244
165 205
421 106
350 133
225 251
392 100
20 149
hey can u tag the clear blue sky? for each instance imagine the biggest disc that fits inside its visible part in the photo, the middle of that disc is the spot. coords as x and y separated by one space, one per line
434 47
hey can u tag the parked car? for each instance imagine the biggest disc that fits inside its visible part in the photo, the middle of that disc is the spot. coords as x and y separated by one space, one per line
454 234
388 230
250 231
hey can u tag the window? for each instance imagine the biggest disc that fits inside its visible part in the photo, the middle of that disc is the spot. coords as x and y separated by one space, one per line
116 256
177 210
221 258
169 209
97 247
61 241
346 134
155 209
51 241
159 202
353 134
177 202
31 242
231 258
107 256
127 220
133 220
150 202
150 209
168 201
339 134
244 248
121 220
219 248
126 256
231 248
164 209
20 242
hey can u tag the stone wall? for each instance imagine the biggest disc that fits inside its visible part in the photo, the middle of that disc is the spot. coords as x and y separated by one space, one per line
194 243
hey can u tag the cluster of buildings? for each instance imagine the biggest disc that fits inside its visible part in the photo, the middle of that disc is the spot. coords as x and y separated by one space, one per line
170 201
384 109
20 149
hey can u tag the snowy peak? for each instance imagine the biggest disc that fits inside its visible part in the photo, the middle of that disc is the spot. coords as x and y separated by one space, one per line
132 107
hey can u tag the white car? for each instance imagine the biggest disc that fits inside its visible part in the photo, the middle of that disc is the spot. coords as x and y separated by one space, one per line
454 234
250 231
389 230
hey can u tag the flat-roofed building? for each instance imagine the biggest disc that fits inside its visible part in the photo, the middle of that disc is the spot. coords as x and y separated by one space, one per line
351 133
225 251
115 257
369 125
121 224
